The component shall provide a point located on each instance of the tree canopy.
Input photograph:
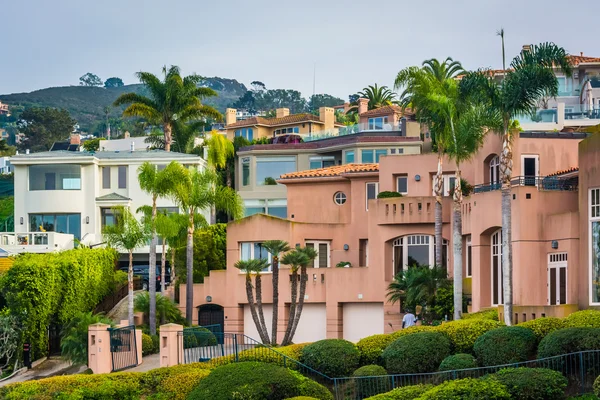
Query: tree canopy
(42, 127)
(113, 82)
(90, 79)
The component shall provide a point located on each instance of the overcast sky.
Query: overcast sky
(52, 43)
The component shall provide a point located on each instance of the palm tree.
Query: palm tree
(275, 248)
(255, 267)
(294, 259)
(420, 85)
(310, 254)
(175, 98)
(194, 192)
(157, 184)
(530, 78)
(378, 96)
(127, 234)
(168, 228)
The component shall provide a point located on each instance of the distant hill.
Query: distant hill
(86, 104)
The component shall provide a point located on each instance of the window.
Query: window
(321, 162)
(363, 252)
(497, 284)
(402, 184)
(372, 191)
(160, 167)
(557, 278)
(105, 177)
(595, 246)
(245, 171)
(61, 223)
(397, 151)
(55, 177)
(322, 260)
(469, 255)
(269, 169)
(415, 250)
(255, 251)
(349, 156)
(530, 169)
(370, 156)
(252, 207)
(449, 181)
(277, 207)
(339, 198)
(377, 123)
(286, 131)
(246, 133)
(495, 170)
(122, 177)
(109, 216)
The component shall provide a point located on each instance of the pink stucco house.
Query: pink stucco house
(556, 237)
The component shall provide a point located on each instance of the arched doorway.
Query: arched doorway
(211, 315)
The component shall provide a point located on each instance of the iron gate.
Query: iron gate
(123, 348)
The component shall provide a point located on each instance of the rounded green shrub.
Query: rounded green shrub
(254, 380)
(569, 340)
(411, 330)
(463, 333)
(416, 353)
(458, 361)
(506, 345)
(198, 337)
(387, 195)
(371, 348)
(543, 326)
(597, 386)
(403, 393)
(583, 319)
(491, 314)
(532, 383)
(332, 357)
(147, 345)
(371, 379)
(467, 389)
(302, 398)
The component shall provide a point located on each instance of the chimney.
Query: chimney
(363, 105)
(327, 117)
(526, 47)
(126, 134)
(282, 112)
(75, 138)
(230, 116)
(581, 53)
(132, 146)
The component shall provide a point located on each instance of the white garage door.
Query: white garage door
(362, 320)
(249, 326)
(312, 325)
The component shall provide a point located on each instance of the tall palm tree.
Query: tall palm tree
(250, 268)
(310, 254)
(531, 77)
(294, 259)
(168, 228)
(158, 184)
(194, 192)
(175, 98)
(127, 234)
(275, 248)
(420, 84)
(378, 96)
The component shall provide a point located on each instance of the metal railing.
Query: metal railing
(112, 299)
(548, 183)
(123, 348)
(351, 130)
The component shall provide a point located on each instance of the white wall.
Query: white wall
(362, 320)
(249, 326)
(312, 325)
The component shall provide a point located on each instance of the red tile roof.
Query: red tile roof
(576, 60)
(386, 110)
(289, 119)
(332, 171)
(565, 171)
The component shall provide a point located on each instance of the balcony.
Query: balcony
(411, 210)
(351, 130)
(35, 242)
(546, 183)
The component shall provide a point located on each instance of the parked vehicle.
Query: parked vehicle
(143, 272)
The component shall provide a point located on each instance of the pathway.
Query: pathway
(148, 363)
(46, 369)
(119, 311)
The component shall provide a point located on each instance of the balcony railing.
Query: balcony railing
(35, 242)
(549, 183)
(351, 130)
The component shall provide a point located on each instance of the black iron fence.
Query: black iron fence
(111, 300)
(123, 348)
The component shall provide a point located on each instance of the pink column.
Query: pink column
(138, 342)
(99, 358)
(171, 345)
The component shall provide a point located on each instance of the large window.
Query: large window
(595, 246)
(105, 177)
(448, 184)
(377, 123)
(245, 171)
(254, 251)
(322, 162)
(109, 216)
(246, 133)
(372, 156)
(274, 207)
(497, 284)
(349, 156)
(557, 278)
(322, 260)
(286, 131)
(416, 250)
(55, 177)
(269, 169)
(372, 191)
(61, 223)
(122, 176)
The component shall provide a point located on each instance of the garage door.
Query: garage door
(312, 325)
(362, 320)
(249, 326)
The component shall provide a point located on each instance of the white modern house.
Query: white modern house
(62, 197)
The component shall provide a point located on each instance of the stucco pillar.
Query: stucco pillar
(171, 346)
(138, 343)
(335, 323)
(99, 358)
(560, 115)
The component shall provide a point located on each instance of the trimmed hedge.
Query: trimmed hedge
(463, 333)
(371, 348)
(403, 393)
(367, 386)
(506, 345)
(332, 357)
(148, 345)
(583, 319)
(467, 389)
(532, 383)
(416, 353)
(543, 326)
(411, 330)
(597, 386)
(256, 380)
(388, 194)
(302, 398)
(569, 340)
(198, 337)
(491, 314)
(458, 361)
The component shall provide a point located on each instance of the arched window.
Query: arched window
(497, 285)
(495, 170)
(414, 250)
